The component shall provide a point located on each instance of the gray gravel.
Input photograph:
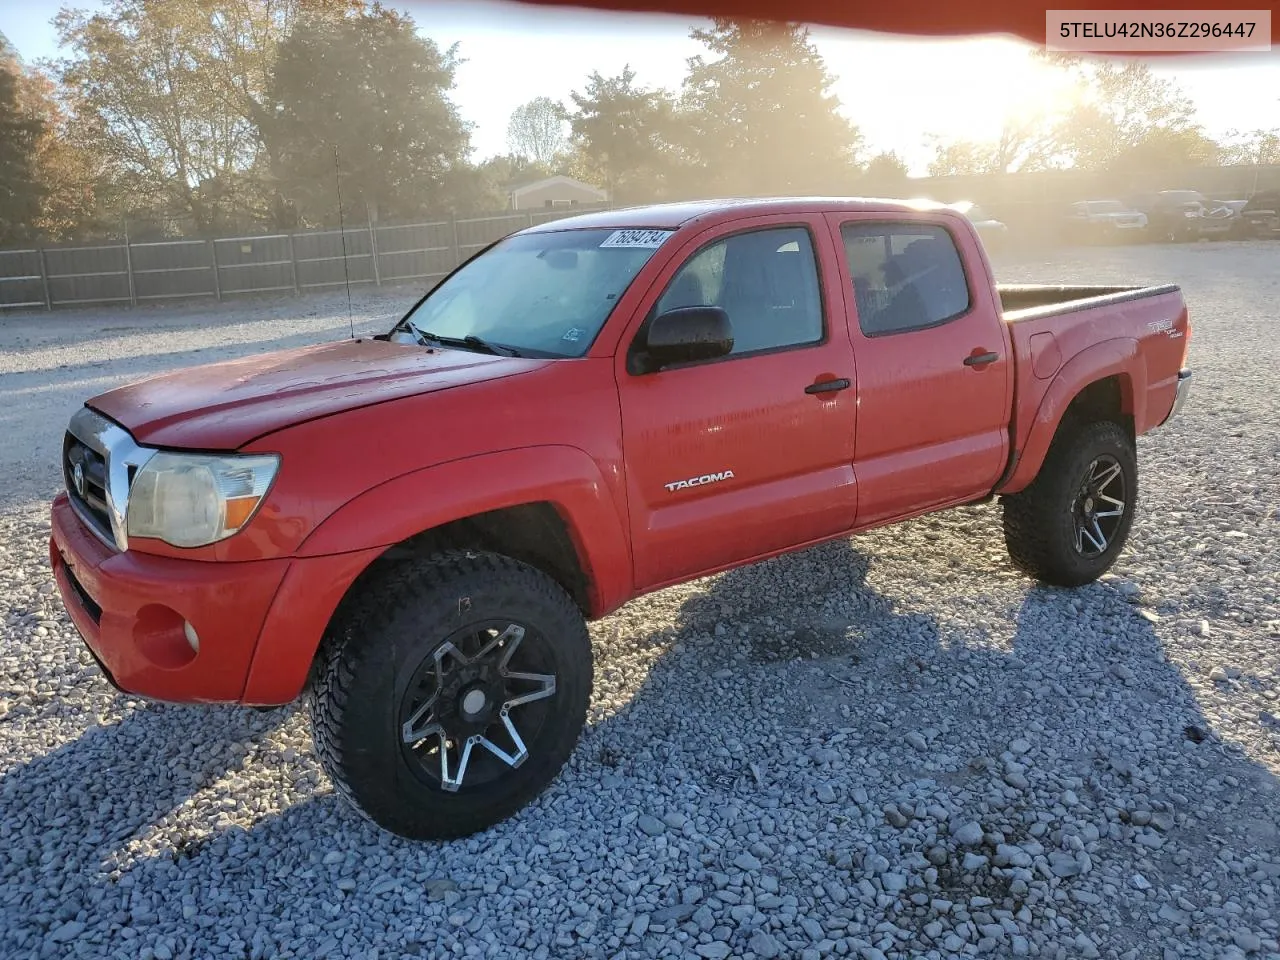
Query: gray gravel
(885, 748)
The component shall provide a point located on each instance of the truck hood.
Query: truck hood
(222, 406)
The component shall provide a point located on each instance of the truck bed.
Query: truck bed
(1029, 301)
(1134, 335)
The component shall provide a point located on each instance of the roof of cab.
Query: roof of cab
(671, 216)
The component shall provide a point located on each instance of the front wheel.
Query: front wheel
(450, 693)
(1069, 525)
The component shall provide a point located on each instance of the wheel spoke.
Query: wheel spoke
(1096, 537)
(1118, 504)
(510, 636)
(1102, 482)
(410, 733)
(1101, 514)
(513, 635)
(447, 650)
(453, 783)
(546, 682)
(510, 759)
(1080, 537)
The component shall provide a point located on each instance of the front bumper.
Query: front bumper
(130, 609)
(1180, 397)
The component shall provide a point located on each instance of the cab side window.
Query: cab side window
(765, 280)
(905, 276)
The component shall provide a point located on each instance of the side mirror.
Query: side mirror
(686, 335)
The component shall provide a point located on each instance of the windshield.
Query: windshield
(1107, 206)
(540, 294)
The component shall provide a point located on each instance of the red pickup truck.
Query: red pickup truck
(413, 528)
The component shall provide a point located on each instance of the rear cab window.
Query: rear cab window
(905, 276)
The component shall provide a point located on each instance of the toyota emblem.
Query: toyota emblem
(77, 478)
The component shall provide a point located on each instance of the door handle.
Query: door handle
(828, 386)
(981, 359)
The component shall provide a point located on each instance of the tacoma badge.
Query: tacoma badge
(699, 481)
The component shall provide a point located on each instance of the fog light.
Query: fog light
(193, 639)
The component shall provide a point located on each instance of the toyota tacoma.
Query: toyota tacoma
(411, 530)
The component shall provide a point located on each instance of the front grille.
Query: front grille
(85, 474)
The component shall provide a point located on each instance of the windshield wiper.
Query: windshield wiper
(470, 340)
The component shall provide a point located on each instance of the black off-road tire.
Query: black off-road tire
(1039, 524)
(381, 637)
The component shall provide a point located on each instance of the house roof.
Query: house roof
(556, 180)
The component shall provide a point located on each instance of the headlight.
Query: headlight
(190, 500)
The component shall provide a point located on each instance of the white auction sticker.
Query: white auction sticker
(648, 239)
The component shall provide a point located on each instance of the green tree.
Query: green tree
(536, 131)
(372, 88)
(763, 112)
(624, 137)
(21, 130)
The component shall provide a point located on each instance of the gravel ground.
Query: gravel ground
(888, 747)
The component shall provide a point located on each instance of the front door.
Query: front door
(753, 452)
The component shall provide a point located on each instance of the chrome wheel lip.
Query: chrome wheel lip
(438, 734)
(1099, 508)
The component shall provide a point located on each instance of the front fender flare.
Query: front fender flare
(1119, 358)
(566, 477)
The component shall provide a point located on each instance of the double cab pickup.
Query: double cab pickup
(412, 529)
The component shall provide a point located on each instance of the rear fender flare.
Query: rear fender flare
(1119, 358)
(566, 477)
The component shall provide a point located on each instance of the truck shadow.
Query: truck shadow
(812, 687)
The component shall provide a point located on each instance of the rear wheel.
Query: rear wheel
(1068, 527)
(451, 693)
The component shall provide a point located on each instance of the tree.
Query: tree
(764, 116)
(1255, 146)
(536, 130)
(170, 97)
(623, 136)
(375, 90)
(959, 158)
(1027, 142)
(20, 134)
(145, 105)
(1127, 115)
(885, 173)
(67, 175)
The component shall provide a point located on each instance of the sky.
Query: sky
(897, 90)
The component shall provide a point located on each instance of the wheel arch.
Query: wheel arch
(547, 507)
(1106, 382)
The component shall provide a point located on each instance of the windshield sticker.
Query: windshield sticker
(573, 334)
(648, 239)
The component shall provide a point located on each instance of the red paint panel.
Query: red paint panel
(790, 452)
(931, 430)
(225, 602)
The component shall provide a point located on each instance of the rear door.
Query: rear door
(934, 371)
(740, 456)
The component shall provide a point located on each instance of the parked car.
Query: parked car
(413, 528)
(1260, 216)
(1180, 215)
(993, 232)
(1104, 221)
(1228, 211)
